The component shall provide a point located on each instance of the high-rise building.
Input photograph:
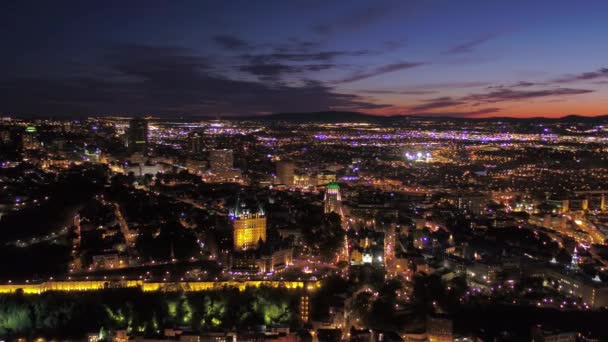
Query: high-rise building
(11, 143)
(221, 162)
(249, 225)
(196, 143)
(285, 173)
(333, 199)
(138, 135)
(474, 203)
(30, 138)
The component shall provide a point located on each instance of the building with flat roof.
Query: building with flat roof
(137, 135)
(285, 173)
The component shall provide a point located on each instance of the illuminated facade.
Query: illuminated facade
(592, 292)
(30, 138)
(251, 261)
(304, 308)
(193, 286)
(249, 226)
(439, 329)
(333, 199)
(221, 161)
(109, 261)
(474, 203)
(221, 164)
(285, 173)
(301, 181)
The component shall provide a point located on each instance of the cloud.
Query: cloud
(524, 84)
(448, 85)
(470, 45)
(166, 81)
(520, 84)
(230, 42)
(294, 56)
(294, 59)
(272, 71)
(379, 71)
(517, 95)
(143, 61)
(494, 96)
(440, 102)
(586, 76)
(318, 56)
(398, 92)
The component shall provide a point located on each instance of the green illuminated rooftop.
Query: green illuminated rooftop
(333, 186)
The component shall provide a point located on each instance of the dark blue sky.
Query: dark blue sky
(463, 58)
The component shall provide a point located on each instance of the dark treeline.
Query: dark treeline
(29, 266)
(66, 193)
(493, 321)
(73, 315)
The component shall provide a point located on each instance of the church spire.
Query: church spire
(575, 260)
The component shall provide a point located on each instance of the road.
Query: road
(130, 237)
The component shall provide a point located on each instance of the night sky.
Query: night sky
(461, 58)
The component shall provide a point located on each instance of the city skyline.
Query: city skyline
(317, 230)
(303, 171)
(514, 59)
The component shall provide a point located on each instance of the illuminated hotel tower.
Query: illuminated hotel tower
(249, 226)
(333, 199)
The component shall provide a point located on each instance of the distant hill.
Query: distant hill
(579, 118)
(336, 116)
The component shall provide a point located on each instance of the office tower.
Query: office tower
(249, 225)
(196, 143)
(333, 199)
(285, 172)
(221, 162)
(11, 143)
(474, 203)
(5, 136)
(30, 138)
(138, 135)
